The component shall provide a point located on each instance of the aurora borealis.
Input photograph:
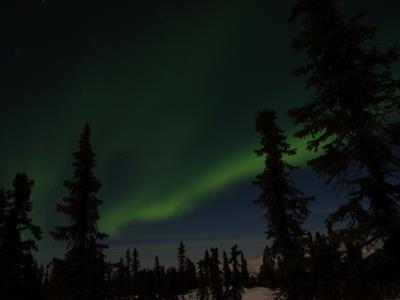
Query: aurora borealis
(170, 88)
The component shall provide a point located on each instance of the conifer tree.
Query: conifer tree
(158, 279)
(20, 280)
(227, 276)
(84, 260)
(203, 282)
(182, 268)
(266, 276)
(135, 262)
(128, 271)
(45, 284)
(4, 205)
(286, 206)
(325, 267)
(191, 275)
(172, 283)
(120, 281)
(354, 113)
(237, 289)
(354, 119)
(207, 263)
(244, 272)
(149, 291)
(135, 272)
(215, 275)
(181, 257)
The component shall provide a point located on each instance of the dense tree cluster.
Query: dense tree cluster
(224, 280)
(207, 281)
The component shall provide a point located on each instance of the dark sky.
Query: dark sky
(171, 89)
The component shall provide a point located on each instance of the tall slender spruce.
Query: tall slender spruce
(286, 206)
(84, 261)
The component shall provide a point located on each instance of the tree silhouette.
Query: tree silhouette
(84, 260)
(135, 262)
(191, 275)
(135, 272)
(158, 279)
(182, 268)
(128, 271)
(356, 102)
(215, 275)
(353, 119)
(186, 270)
(266, 275)
(4, 205)
(244, 272)
(204, 277)
(325, 267)
(286, 207)
(19, 275)
(120, 283)
(237, 289)
(227, 276)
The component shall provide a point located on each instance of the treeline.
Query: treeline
(83, 273)
(209, 279)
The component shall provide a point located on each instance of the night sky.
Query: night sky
(171, 90)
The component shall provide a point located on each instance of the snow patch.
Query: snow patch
(257, 293)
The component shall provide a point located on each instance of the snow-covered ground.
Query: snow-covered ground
(258, 293)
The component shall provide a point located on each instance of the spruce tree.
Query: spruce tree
(191, 276)
(84, 260)
(158, 279)
(4, 206)
(325, 267)
(172, 284)
(227, 276)
(237, 289)
(120, 281)
(135, 262)
(135, 272)
(215, 275)
(244, 272)
(286, 207)
(19, 276)
(203, 282)
(353, 115)
(353, 118)
(181, 257)
(128, 271)
(182, 268)
(266, 276)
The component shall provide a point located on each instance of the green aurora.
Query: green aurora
(171, 98)
(242, 166)
(157, 105)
